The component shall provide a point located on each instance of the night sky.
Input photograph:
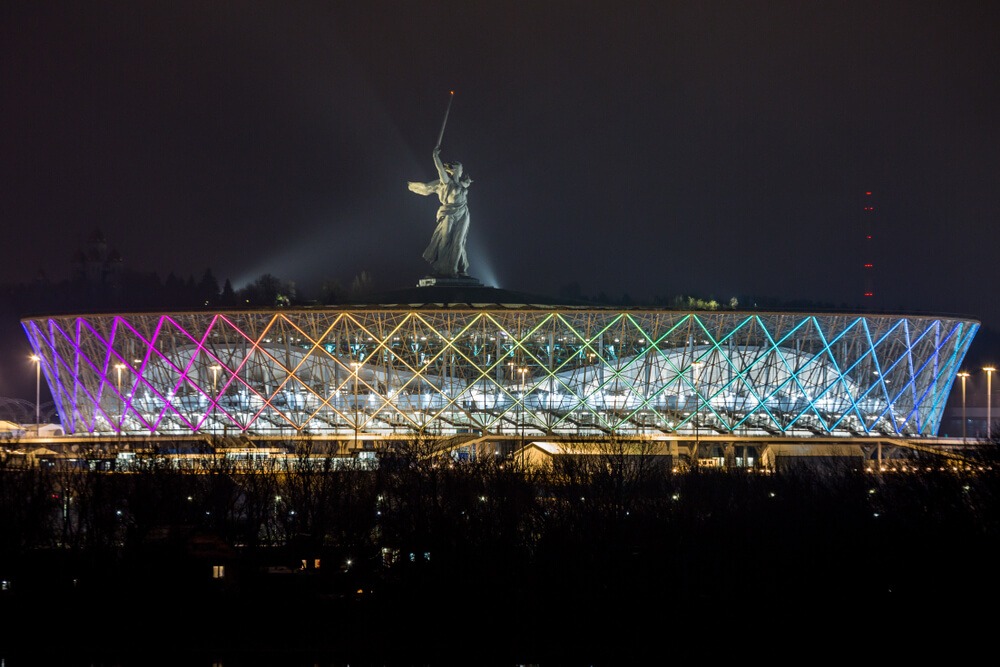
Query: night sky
(718, 149)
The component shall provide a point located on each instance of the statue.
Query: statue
(446, 251)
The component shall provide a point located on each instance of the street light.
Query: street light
(513, 375)
(119, 367)
(989, 396)
(38, 392)
(963, 375)
(121, 412)
(522, 371)
(215, 395)
(355, 365)
(697, 402)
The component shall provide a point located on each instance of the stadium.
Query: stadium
(486, 370)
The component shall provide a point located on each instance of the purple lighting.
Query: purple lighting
(400, 372)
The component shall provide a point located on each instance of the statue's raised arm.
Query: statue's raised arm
(442, 172)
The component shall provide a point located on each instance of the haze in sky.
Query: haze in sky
(643, 149)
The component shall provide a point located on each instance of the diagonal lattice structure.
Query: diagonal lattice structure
(518, 370)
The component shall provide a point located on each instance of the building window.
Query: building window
(218, 571)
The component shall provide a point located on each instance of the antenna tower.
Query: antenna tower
(868, 249)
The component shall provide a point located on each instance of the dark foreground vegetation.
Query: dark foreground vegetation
(426, 560)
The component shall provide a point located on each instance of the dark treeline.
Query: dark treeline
(124, 290)
(423, 556)
(573, 293)
(129, 291)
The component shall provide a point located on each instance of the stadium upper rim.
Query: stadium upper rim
(485, 298)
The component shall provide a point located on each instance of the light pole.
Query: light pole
(522, 371)
(355, 365)
(121, 411)
(38, 392)
(215, 395)
(989, 396)
(513, 376)
(697, 402)
(590, 363)
(963, 375)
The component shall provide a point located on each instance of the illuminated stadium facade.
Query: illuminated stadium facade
(499, 372)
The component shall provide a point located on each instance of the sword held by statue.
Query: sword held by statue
(451, 96)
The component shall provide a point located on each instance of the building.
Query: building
(486, 369)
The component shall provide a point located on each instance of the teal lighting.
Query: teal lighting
(586, 372)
